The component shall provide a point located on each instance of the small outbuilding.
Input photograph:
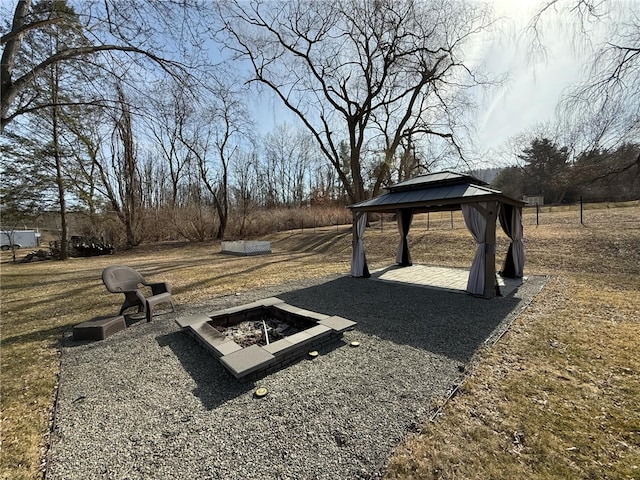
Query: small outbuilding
(481, 207)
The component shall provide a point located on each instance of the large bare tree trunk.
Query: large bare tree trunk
(121, 180)
(130, 184)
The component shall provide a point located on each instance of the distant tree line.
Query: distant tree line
(598, 175)
(114, 111)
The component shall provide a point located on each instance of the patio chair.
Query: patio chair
(121, 279)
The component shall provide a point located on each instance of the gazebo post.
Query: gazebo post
(491, 215)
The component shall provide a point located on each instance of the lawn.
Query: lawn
(557, 397)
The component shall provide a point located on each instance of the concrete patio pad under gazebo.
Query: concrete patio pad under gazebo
(443, 278)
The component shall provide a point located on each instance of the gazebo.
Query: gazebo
(447, 191)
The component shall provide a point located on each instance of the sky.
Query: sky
(535, 84)
(528, 97)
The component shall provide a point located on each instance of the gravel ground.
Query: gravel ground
(150, 403)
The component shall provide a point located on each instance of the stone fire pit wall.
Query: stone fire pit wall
(255, 361)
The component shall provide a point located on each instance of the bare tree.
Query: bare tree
(214, 138)
(287, 160)
(324, 186)
(167, 128)
(120, 174)
(246, 187)
(338, 65)
(604, 110)
(84, 146)
(113, 33)
(279, 151)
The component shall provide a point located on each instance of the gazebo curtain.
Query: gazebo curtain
(477, 224)
(403, 257)
(511, 222)
(359, 266)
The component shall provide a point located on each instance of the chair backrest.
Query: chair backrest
(118, 278)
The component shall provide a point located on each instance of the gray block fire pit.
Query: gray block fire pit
(263, 336)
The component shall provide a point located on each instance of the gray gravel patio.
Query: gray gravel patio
(149, 402)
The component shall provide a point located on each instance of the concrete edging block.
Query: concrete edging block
(338, 324)
(248, 360)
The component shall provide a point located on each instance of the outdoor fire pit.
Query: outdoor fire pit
(263, 336)
(262, 331)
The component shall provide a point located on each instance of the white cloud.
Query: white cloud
(535, 82)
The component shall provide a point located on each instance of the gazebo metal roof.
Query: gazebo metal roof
(433, 192)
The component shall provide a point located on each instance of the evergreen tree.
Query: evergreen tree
(51, 93)
(546, 170)
(511, 181)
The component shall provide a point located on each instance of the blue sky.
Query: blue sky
(531, 92)
(527, 99)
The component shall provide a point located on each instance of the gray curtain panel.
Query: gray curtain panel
(404, 217)
(511, 222)
(477, 224)
(359, 266)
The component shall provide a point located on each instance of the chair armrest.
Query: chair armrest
(125, 289)
(157, 288)
(140, 296)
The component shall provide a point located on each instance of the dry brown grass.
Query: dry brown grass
(41, 300)
(556, 398)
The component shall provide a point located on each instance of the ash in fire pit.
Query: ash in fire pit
(252, 332)
(237, 335)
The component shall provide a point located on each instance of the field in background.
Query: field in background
(556, 398)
